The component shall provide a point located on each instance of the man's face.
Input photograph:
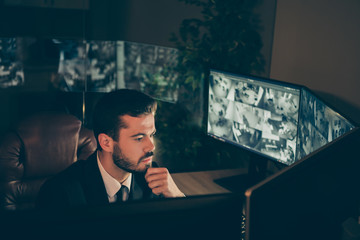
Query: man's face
(134, 149)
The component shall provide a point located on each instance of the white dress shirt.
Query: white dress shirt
(112, 186)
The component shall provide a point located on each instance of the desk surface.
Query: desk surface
(202, 182)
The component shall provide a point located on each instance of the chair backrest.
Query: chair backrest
(41, 146)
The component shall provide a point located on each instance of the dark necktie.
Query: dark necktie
(122, 194)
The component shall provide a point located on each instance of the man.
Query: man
(124, 127)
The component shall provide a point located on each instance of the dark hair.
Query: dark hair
(109, 109)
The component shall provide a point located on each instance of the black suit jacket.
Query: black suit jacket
(81, 184)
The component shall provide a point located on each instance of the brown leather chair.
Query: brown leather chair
(40, 146)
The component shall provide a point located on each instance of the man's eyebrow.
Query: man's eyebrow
(142, 134)
(138, 135)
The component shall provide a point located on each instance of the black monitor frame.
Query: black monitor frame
(195, 217)
(309, 199)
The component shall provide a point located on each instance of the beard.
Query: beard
(123, 162)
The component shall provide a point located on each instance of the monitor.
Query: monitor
(281, 121)
(319, 124)
(197, 217)
(11, 65)
(311, 198)
(102, 66)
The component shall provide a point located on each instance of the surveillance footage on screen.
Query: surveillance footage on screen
(277, 120)
(11, 67)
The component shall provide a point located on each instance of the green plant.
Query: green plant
(225, 38)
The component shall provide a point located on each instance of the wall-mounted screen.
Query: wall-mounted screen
(11, 67)
(102, 66)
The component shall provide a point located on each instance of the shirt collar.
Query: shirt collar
(112, 186)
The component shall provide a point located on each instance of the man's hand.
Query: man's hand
(161, 182)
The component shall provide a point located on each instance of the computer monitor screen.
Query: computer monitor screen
(281, 121)
(11, 66)
(259, 115)
(103, 66)
(318, 124)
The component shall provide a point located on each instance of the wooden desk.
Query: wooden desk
(202, 182)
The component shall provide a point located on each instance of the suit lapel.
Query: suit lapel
(94, 187)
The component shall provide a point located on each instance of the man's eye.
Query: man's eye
(138, 139)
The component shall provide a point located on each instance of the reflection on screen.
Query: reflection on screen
(263, 116)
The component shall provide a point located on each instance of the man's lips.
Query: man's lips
(146, 160)
(148, 157)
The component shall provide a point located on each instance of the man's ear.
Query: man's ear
(106, 142)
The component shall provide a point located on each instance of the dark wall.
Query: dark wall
(140, 21)
(316, 44)
(143, 21)
(18, 21)
(137, 20)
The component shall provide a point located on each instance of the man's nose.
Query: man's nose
(150, 146)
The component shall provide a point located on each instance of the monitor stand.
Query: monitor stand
(239, 183)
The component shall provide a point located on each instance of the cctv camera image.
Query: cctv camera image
(272, 118)
(319, 124)
(11, 68)
(257, 115)
(102, 66)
